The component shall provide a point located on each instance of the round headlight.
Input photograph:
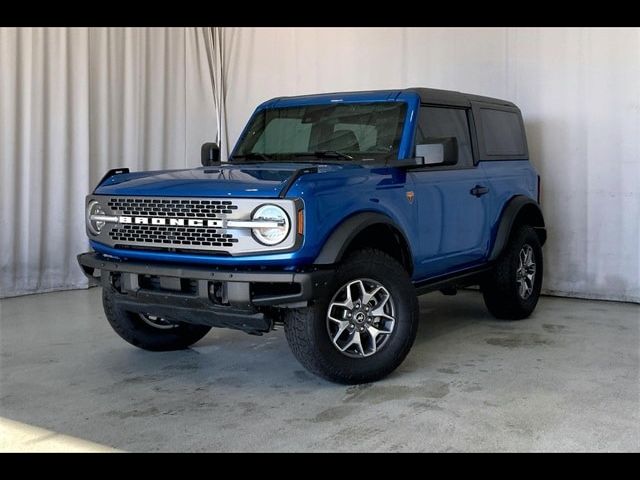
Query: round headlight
(271, 235)
(94, 208)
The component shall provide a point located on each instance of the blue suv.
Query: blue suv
(331, 215)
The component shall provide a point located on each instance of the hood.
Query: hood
(247, 180)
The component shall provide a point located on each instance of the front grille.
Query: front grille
(171, 208)
(203, 236)
(186, 224)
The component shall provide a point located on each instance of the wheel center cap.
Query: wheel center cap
(359, 317)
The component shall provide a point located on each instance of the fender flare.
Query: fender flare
(508, 218)
(339, 240)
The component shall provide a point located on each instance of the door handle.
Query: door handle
(479, 190)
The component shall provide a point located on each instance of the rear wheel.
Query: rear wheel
(364, 327)
(512, 289)
(149, 332)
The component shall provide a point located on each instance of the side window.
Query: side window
(502, 132)
(437, 122)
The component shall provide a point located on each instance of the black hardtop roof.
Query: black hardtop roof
(427, 95)
(433, 95)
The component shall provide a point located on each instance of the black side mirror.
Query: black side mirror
(209, 154)
(438, 151)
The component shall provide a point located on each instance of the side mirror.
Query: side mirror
(209, 154)
(438, 151)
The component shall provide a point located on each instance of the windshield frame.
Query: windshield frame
(404, 149)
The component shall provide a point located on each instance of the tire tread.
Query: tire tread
(500, 296)
(298, 324)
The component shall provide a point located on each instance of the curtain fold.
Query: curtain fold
(215, 47)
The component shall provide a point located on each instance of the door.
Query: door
(452, 199)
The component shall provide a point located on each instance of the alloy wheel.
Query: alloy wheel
(361, 318)
(526, 273)
(157, 322)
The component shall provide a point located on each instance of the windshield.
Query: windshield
(343, 132)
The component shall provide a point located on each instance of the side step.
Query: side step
(450, 284)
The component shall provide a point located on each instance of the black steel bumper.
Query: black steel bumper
(202, 295)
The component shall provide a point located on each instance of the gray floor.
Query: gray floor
(566, 379)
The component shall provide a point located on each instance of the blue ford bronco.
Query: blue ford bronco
(331, 215)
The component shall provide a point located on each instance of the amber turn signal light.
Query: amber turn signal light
(300, 221)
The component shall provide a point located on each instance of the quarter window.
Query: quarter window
(502, 133)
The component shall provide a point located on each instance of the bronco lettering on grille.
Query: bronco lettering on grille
(176, 222)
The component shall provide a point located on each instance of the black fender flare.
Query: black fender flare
(508, 218)
(339, 240)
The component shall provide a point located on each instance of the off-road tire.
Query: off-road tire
(134, 330)
(500, 288)
(306, 329)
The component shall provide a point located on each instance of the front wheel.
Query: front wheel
(365, 326)
(512, 289)
(146, 331)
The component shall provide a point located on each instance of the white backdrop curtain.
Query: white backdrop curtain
(75, 102)
(217, 64)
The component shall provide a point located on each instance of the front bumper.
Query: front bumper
(237, 299)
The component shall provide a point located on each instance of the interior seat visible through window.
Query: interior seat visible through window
(341, 141)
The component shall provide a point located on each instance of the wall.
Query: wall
(579, 90)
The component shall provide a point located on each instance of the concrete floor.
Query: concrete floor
(568, 378)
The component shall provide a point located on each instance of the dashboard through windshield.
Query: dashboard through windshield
(339, 132)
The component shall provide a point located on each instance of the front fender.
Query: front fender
(340, 239)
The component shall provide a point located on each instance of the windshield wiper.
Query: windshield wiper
(325, 154)
(253, 156)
